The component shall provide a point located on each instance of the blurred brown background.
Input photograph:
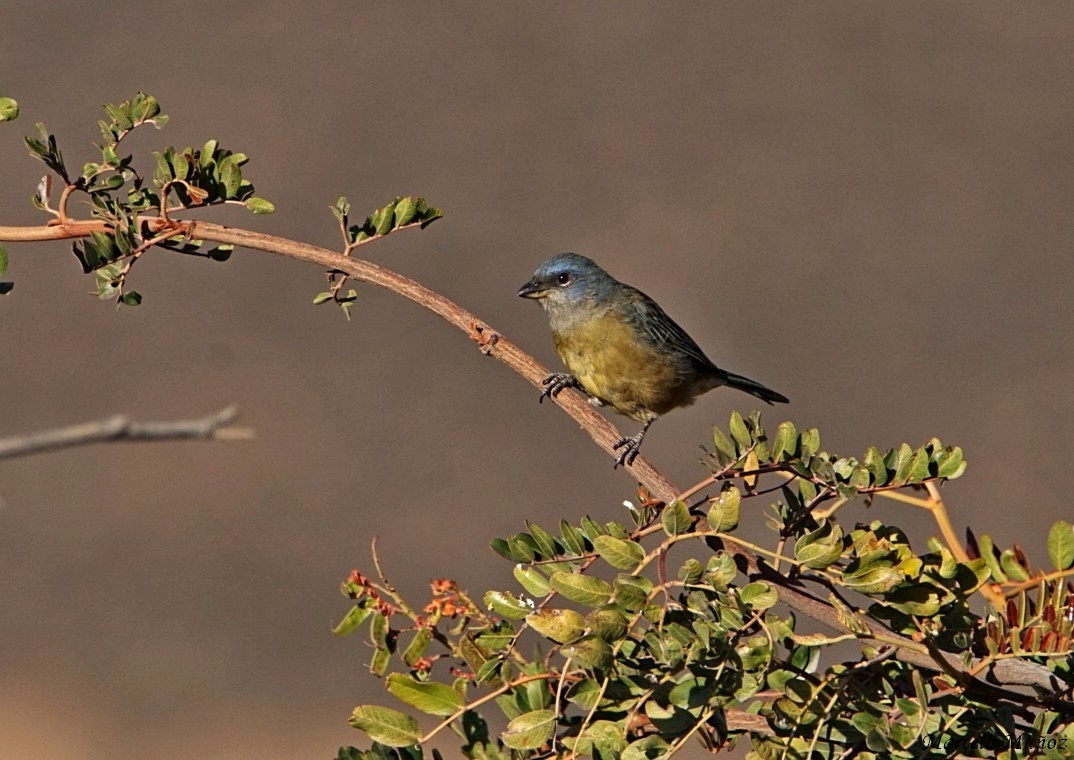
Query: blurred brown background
(866, 206)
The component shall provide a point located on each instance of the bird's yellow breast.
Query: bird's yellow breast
(612, 364)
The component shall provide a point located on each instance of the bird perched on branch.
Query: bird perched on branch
(622, 349)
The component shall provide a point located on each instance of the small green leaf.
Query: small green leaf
(873, 580)
(786, 442)
(46, 149)
(530, 730)
(431, 698)
(591, 652)
(991, 557)
(591, 528)
(496, 638)
(740, 432)
(9, 109)
(405, 210)
(608, 623)
(230, 175)
(3, 260)
(1008, 560)
(107, 185)
(180, 164)
(389, 727)
(691, 571)
(581, 588)
(585, 694)
(604, 736)
(341, 208)
(631, 593)
(1061, 545)
(131, 298)
(473, 654)
(724, 513)
(380, 661)
(418, 646)
(379, 630)
(546, 543)
(573, 538)
(918, 599)
(820, 548)
(106, 247)
(509, 606)
(723, 445)
(358, 615)
(619, 553)
(429, 214)
(561, 626)
(675, 518)
(507, 550)
(758, 595)
(532, 581)
(901, 460)
(208, 154)
(321, 297)
(919, 466)
(952, 464)
(107, 289)
(524, 547)
(259, 205)
(382, 219)
(489, 672)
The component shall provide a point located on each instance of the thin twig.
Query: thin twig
(387, 586)
(120, 428)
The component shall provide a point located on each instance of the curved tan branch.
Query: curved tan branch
(489, 341)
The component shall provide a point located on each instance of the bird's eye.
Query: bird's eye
(563, 278)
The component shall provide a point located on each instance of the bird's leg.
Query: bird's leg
(630, 446)
(556, 382)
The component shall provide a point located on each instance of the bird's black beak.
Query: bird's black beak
(530, 290)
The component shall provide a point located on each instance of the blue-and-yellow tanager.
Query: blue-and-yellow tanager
(621, 348)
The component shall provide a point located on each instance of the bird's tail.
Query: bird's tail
(755, 389)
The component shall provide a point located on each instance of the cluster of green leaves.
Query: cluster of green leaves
(635, 657)
(1011, 565)
(405, 212)
(122, 197)
(908, 587)
(800, 453)
(138, 211)
(207, 176)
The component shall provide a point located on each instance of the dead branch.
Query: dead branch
(120, 428)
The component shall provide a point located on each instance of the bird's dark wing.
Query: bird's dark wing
(656, 326)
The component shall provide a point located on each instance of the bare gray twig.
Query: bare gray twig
(120, 428)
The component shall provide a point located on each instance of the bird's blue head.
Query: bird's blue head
(569, 281)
